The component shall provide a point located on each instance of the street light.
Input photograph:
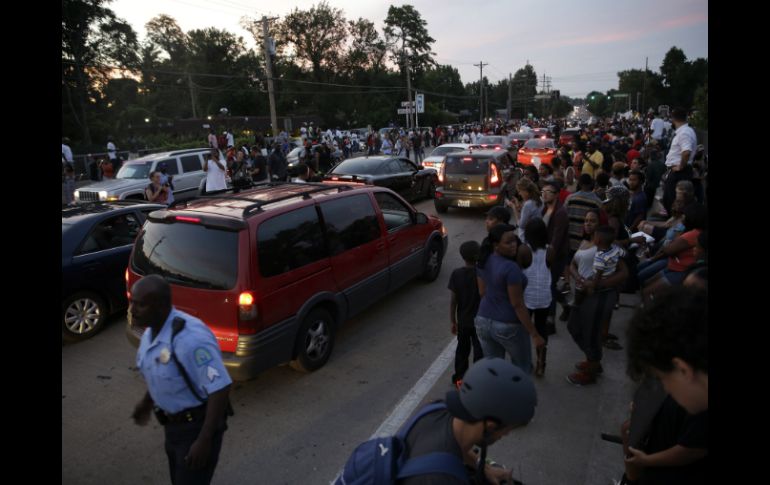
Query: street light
(147, 120)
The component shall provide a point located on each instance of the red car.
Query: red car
(537, 151)
(274, 270)
(568, 136)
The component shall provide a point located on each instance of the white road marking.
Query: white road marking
(415, 395)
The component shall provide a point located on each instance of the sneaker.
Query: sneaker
(585, 366)
(581, 378)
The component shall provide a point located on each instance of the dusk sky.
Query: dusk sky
(580, 45)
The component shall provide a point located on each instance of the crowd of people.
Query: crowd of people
(580, 233)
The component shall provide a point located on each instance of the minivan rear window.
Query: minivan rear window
(188, 255)
(466, 165)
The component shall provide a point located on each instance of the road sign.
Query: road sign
(407, 104)
(405, 111)
(420, 100)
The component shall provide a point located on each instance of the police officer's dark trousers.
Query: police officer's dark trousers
(179, 439)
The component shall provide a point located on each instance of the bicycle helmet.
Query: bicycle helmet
(494, 389)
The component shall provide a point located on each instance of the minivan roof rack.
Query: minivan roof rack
(256, 206)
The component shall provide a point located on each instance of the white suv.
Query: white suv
(186, 166)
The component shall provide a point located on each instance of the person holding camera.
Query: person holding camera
(167, 180)
(156, 191)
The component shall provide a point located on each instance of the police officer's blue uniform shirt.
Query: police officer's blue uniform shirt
(196, 348)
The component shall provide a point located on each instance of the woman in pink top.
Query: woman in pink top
(680, 252)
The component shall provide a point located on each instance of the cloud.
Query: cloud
(629, 35)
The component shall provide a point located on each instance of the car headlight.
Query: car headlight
(77, 196)
(102, 195)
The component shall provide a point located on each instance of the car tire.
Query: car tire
(430, 192)
(440, 208)
(83, 315)
(315, 341)
(433, 260)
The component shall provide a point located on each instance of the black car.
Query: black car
(96, 241)
(398, 174)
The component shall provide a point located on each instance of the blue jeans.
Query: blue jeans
(497, 338)
(649, 268)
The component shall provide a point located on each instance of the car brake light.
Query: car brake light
(494, 179)
(441, 173)
(491, 197)
(194, 220)
(439, 195)
(335, 178)
(247, 309)
(467, 159)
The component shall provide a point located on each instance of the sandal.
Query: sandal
(612, 345)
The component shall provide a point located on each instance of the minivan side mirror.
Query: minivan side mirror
(421, 218)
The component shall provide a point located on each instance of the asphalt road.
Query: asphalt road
(293, 428)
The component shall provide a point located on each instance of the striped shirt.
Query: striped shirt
(577, 205)
(606, 261)
(537, 294)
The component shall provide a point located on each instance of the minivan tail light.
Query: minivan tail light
(247, 308)
(194, 220)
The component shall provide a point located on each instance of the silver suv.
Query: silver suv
(133, 177)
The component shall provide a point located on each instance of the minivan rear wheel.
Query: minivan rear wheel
(440, 208)
(314, 341)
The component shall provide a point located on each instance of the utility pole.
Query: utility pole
(548, 91)
(543, 90)
(192, 95)
(644, 80)
(408, 81)
(269, 69)
(481, 91)
(510, 95)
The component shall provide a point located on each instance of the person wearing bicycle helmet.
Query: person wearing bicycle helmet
(495, 398)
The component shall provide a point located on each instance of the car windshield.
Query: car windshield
(539, 143)
(188, 255)
(440, 151)
(491, 140)
(466, 165)
(521, 136)
(134, 171)
(356, 166)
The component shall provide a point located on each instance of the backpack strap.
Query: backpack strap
(178, 326)
(434, 463)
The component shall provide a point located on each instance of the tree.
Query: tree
(524, 90)
(316, 37)
(94, 41)
(367, 49)
(672, 62)
(405, 30)
(633, 81)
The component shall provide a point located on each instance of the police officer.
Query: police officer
(188, 386)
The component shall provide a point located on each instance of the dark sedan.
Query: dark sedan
(96, 241)
(400, 175)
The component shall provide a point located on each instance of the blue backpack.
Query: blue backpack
(382, 460)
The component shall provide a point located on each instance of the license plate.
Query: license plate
(463, 203)
(535, 159)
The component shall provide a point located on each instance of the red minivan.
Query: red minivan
(274, 270)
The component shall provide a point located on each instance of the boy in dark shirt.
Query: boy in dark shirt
(463, 308)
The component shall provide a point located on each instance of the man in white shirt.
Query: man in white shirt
(680, 156)
(230, 138)
(66, 152)
(303, 132)
(215, 172)
(657, 126)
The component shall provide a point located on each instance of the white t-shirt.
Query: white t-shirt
(684, 140)
(66, 153)
(466, 138)
(657, 127)
(111, 151)
(215, 176)
(230, 139)
(164, 180)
